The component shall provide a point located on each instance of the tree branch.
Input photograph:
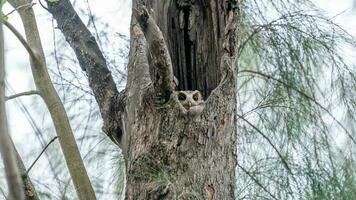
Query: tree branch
(111, 102)
(158, 51)
(7, 151)
(284, 162)
(59, 116)
(39, 156)
(20, 38)
(20, 7)
(33, 92)
(256, 181)
(29, 188)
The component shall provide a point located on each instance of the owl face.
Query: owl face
(189, 99)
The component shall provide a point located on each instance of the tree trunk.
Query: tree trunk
(7, 151)
(169, 154)
(55, 107)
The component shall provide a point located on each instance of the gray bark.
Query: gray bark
(48, 93)
(28, 187)
(7, 150)
(169, 154)
(92, 61)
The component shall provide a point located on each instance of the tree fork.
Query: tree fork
(169, 155)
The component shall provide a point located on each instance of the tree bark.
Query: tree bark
(48, 93)
(28, 187)
(92, 61)
(170, 154)
(7, 150)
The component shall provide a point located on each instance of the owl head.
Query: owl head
(189, 99)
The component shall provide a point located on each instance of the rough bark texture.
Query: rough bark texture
(170, 154)
(92, 61)
(29, 188)
(197, 32)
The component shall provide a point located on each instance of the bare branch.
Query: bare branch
(87, 50)
(29, 188)
(33, 92)
(20, 38)
(285, 164)
(158, 51)
(39, 136)
(39, 156)
(20, 7)
(7, 151)
(256, 181)
(59, 116)
(92, 61)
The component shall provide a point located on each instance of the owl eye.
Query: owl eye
(182, 97)
(196, 97)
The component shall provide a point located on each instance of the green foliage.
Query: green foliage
(3, 16)
(297, 90)
(149, 169)
(340, 186)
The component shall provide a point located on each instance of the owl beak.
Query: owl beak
(190, 104)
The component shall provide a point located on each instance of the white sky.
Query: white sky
(114, 12)
(343, 10)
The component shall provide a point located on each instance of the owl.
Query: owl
(192, 102)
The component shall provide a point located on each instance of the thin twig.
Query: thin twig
(263, 26)
(304, 95)
(43, 6)
(36, 129)
(3, 193)
(270, 142)
(20, 7)
(38, 157)
(256, 181)
(28, 93)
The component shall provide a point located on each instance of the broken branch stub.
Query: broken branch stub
(158, 51)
